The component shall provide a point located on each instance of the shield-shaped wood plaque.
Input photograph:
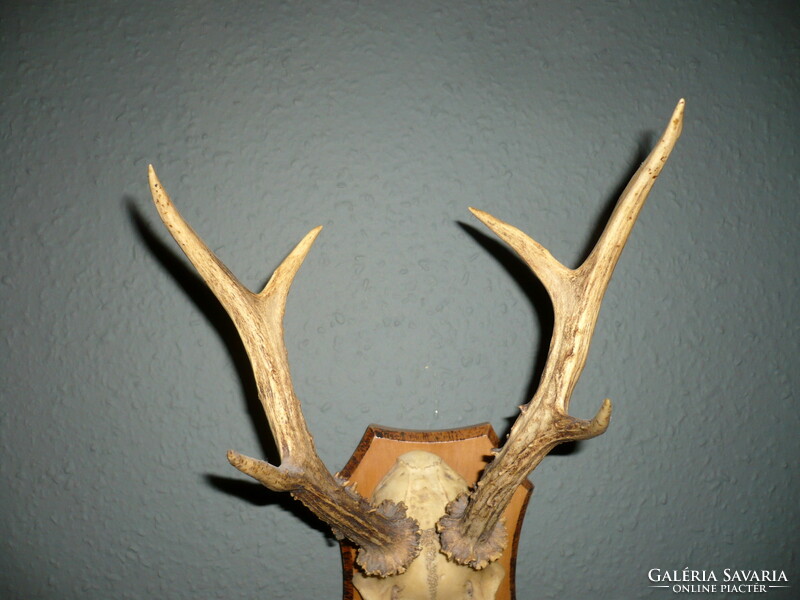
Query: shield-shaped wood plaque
(467, 450)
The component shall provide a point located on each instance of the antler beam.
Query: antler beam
(387, 538)
(472, 532)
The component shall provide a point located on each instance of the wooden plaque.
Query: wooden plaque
(467, 450)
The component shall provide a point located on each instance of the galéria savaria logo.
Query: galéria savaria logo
(725, 581)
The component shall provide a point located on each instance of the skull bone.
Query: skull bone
(426, 484)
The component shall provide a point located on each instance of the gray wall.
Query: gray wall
(123, 384)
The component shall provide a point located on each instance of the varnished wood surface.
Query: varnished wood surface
(467, 450)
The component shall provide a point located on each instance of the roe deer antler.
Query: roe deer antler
(472, 532)
(387, 538)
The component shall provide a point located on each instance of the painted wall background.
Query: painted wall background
(123, 384)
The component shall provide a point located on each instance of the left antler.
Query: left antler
(472, 531)
(387, 538)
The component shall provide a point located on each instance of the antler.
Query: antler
(387, 538)
(472, 531)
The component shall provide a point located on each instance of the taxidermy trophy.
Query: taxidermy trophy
(426, 515)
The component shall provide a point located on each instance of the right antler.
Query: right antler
(472, 532)
(387, 538)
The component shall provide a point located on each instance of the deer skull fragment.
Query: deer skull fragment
(425, 484)
(424, 534)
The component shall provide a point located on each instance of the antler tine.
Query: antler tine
(258, 318)
(472, 532)
(388, 540)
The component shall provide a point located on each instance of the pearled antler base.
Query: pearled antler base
(466, 451)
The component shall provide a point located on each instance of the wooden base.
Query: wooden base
(466, 450)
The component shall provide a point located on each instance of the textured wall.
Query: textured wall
(123, 383)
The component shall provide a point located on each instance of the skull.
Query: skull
(425, 484)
